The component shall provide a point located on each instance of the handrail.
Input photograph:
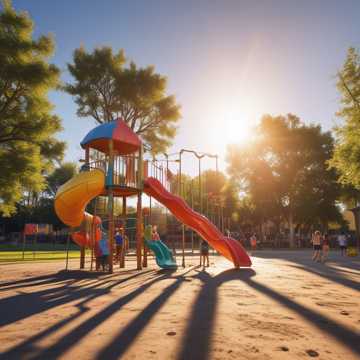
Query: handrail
(126, 169)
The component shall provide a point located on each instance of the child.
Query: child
(104, 248)
(253, 243)
(316, 240)
(204, 253)
(119, 239)
(98, 254)
(342, 243)
(155, 235)
(325, 247)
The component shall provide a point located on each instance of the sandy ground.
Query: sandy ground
(285, 307)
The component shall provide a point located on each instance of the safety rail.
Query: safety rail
(157, 171)
(97, 164)
(126, 169)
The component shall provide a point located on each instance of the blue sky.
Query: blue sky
(227, 62)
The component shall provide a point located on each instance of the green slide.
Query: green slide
(163, 254)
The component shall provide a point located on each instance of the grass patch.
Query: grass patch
(17, 256)
(37, 252)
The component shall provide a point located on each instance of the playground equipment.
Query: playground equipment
(120, 171)
(163, 255)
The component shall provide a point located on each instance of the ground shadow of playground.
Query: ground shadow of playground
(62, 288)
(56, 289)
(196, 340)
(338, 269)
(204, 310)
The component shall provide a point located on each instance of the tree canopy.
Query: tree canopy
(285, 172)
(60, 176)
(346, 157)
(28, 147)
(106, 88)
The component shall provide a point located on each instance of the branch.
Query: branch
(11, 98)
(356, 101)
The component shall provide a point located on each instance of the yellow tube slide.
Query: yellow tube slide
(72, 197)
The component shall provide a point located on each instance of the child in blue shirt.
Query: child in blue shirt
(119, 244)
(104, 249)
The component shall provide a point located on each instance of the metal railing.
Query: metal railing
(126, 169)
(157, 171)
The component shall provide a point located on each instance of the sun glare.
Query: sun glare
(235, 118)
(238, 129)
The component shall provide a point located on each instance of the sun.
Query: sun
(231, 120)
(239, 127)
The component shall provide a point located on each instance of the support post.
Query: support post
(182, 226)
(82, 248)
(192, 206)
(183, 245)
(87, 156)
(93, 233)
(139, 220)
(200, 193)
(123, 247)
(139, 242)
(111, 209)
(123, 212)
(23, 244)
(67, 251)
(145, 249)
(82, 257)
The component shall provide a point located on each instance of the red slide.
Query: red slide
(226, 246)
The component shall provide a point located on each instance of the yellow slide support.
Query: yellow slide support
(72, 197)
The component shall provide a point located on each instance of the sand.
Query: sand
(284, 307)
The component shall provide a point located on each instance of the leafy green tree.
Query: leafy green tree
(60, 176)
(286, 173)
(346, 158)
(257, 183)
(28, 147)
(105, 89)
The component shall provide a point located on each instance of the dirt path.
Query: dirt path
(285, 307)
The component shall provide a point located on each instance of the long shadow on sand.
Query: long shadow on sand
(342, 334)
(303, 262)
(23, 305)
(76, 334)
(197, 340)
(122, 341)
(196, 343)
(125, 337)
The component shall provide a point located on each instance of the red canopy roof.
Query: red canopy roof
(125, 141)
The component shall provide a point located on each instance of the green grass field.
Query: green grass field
(39, 252)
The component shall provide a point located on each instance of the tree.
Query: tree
(346, 158)
(106, 89)
(286, 173)
(257, 183)
(28, 147)
(60, 176)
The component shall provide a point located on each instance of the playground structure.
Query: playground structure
(114, 167)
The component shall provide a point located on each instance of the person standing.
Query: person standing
(342, 240)
(316, 240)
(325, 247)
(119, 241)
(104, 248)
(253, 242)
(204, 253)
